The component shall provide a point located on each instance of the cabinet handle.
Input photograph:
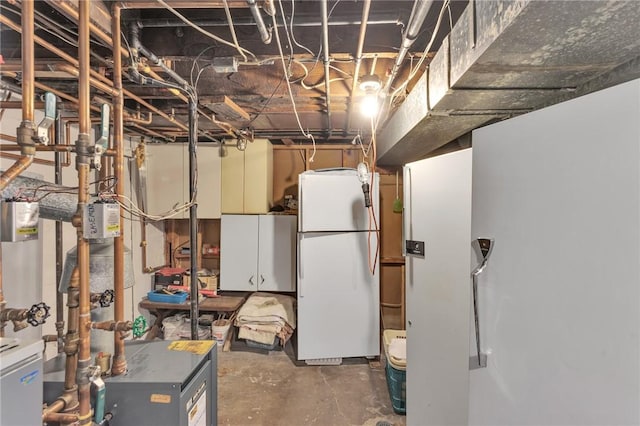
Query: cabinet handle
(261, 279)
(251, 280)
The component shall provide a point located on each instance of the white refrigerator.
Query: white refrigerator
(338, 292)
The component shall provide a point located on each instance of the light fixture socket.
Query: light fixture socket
(370, 83)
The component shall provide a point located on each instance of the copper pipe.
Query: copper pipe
(2, 301)
(47, 148)
(82, 165)
(63, 401)
(61, 418)
(71, 345)
(50, 47)
(59, 164)
(8, 138)
(46, 88)
(66, 9)
(35, 160)
(28, 60)
(113, 326)
(26, 129)
(16, 168)
(119, 363)
(18, 104)
(130, 118)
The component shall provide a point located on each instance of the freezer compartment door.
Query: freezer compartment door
(338, 297)
(333, 201)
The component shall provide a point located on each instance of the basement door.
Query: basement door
(437, 197)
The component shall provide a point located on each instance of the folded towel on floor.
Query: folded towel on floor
(266, 307)
(265, 316)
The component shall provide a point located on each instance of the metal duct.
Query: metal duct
(62, 206)
(504, 58)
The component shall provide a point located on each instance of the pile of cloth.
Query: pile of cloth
(267, 319)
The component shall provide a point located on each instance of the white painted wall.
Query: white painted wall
(23, 269)
(559, 190)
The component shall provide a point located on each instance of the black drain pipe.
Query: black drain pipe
(193, 214)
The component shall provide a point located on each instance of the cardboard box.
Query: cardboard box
(207, 282)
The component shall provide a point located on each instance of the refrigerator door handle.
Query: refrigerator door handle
(261, 279)
(251, 280)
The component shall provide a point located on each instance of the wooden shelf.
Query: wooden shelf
(211, 256)
(392, 260)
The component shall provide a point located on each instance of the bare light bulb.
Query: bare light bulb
(363, 177)
(363, 173)
(369, 105)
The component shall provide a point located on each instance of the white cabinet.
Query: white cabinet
(257, 252)
(247, 178)
(167, 180)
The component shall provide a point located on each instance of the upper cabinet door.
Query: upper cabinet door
(168, 179)
(258, 176)
(165, 182)
(239, 252)
(208, 182)
(276, 253)
(233, 181)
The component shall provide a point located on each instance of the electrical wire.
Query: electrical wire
(372, 212)
(233, 30)
(200, 29)
(306, 134)
(293, 37)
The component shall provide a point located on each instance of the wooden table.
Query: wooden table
(163, 310)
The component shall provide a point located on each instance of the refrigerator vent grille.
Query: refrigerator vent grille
(324, 361)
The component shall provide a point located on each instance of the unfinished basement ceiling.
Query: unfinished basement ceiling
(490, 60)
(247, 93)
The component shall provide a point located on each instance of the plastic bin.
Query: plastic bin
(396, 373)
(397, 384)
(161, 296)
(387, 337)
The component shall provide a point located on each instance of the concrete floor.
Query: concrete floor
(269, 389)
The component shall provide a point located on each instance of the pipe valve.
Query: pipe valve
(42, 132)
(38, 314)
(106, 298)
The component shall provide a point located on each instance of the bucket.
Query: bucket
(220, 330)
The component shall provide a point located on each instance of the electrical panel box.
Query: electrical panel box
(19, 220)
(167, 383)
(101, 220)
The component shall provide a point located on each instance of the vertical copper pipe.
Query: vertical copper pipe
(82, 165)
(71, 343)
(2, 301)
(26, 129)
(59, 255)
(28, 60)
(119, 364)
